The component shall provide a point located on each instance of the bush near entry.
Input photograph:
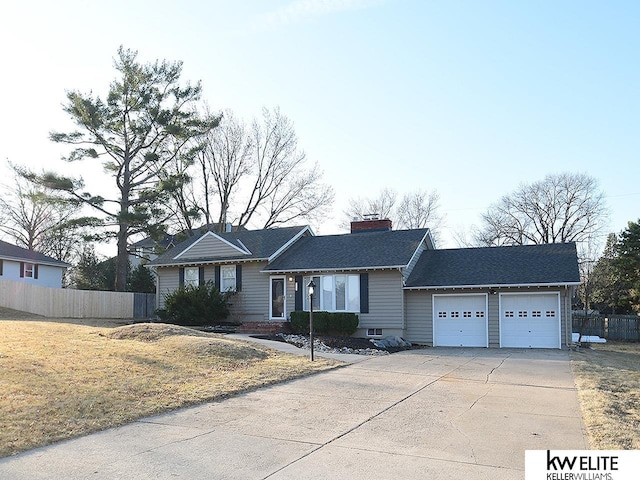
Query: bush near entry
(191, 305)
(330, 323)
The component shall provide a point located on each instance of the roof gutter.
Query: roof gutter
(206, 262)
(334, 269)
(55, 263)
(493, 285)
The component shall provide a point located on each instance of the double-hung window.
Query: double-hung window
(28, 270)
(334, 293)
(191, 276)
(228, 278)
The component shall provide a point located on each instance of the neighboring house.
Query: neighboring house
(395, 281)
(22, 265)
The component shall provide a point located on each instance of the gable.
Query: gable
(240, 245)
(211, 245)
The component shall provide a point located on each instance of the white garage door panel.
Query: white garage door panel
(460, 321)
(530, 321)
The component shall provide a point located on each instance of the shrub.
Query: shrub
(338, 323)
(202, 305)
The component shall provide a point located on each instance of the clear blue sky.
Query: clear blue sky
(469, 98)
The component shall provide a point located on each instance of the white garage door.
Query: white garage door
(460, 320)
(530, 321)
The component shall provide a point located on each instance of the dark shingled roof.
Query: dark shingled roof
(261, 243)
(350, 251)
(555, 263)
(13, 252)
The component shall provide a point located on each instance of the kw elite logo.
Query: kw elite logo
(588, 467)
(581, 464)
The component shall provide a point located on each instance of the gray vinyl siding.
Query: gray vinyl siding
(565, 302)
(386, 306)
(209, 246)
(419, 308)
(252, 303)
(168, 280)
(493, 318)
(419, 312)
(290, 294)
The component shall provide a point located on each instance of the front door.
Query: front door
(278, 307)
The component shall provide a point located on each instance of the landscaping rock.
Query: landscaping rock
(327, 344)
(391, 342)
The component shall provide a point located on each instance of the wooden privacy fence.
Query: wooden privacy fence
(611, 327)
(66, 302)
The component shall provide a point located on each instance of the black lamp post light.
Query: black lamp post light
(311, 287)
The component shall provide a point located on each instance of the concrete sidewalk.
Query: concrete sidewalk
(433, 413)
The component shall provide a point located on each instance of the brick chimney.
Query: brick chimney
(375, 225)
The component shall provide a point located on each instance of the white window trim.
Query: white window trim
(231, 268)
(190, 281)
(29, 269)
(320, 297)
(374, 334)
(284, 296)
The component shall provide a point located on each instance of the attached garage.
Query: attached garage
(531, 320)
(460, 320)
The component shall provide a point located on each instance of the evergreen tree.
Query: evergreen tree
(88, 274)
(627, 264)
(147, 121)
(142, 280)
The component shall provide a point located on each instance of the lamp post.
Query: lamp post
(311, 288)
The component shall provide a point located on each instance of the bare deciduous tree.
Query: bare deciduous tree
(259, 175)
(417, 209)
(381, 206)
(227, 156)
(36, 218)
(560, 208)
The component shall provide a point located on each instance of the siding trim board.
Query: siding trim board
(200, 261)
(346, 269)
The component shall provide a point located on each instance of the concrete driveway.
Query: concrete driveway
(434, 413)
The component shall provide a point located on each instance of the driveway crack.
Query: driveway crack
(496, 367)
(384, 410)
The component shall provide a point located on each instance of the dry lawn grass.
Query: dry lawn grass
(608, 381)
(62, 380)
